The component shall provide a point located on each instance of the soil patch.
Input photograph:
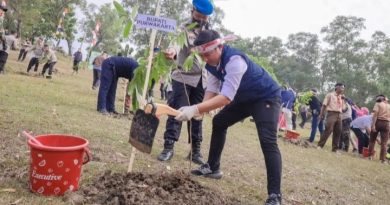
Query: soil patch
(300, 142)
(140, 188)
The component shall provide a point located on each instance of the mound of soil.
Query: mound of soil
(140, 188)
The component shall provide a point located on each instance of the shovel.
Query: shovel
(145, 123)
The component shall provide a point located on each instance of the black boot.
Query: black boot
(167, 153)
(274, 199)
(197, 157)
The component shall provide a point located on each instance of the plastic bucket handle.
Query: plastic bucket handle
(88, 155)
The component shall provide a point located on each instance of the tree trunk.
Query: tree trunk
(70, 42)
(18, 29)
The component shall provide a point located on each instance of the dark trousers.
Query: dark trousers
(178, 100)
(316, 123)
(333, 124)
(294, 120)
(363, 139)
(22, 54)
(150, 90)
(3, 60)
(163, 91)
(96, 78)
(265, 114)
(107, 89)
(304, 118)
(76, 66)
(345, 134)
(33, 62)
(48, 66)
(381, 126)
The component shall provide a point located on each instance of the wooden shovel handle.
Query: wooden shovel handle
(162, 109)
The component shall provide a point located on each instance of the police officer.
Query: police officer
(113, 68)
(187, 87)
(244, 89)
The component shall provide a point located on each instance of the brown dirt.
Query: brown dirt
(300, 142)
(13, 151)
(140, 188)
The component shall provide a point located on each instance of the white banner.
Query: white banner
(155, 22)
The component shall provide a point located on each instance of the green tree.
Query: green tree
(345, 59)
(109, 36)
(38, 17)
(300, 69)
(23, 15)
(379, 61)
(271, 48)
(70, 29)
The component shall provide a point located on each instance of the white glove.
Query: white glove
(187, 113)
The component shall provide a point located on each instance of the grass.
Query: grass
(67, 104)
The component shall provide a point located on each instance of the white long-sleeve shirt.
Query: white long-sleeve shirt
(235, 69)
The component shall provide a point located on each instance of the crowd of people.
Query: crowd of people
(235, 85)
(338, 115)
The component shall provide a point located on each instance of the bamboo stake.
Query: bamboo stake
(144, 91)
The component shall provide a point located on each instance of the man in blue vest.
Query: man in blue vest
(245, 89)
(113, 68)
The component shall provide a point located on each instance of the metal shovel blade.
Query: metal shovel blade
(143, 130)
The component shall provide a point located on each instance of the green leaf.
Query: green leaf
(119, 8)
(134, 100)
(191, 26)
(181, 40)
(197, 56)
(189, 62)
(127, 29)
(134, 11)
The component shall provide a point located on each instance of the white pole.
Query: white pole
(144, 91)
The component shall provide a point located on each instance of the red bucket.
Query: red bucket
(291, 134)
(366, 153)
(55, 166)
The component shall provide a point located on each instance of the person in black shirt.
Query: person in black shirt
(315, 107)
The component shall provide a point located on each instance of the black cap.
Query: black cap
(339, 85)
(3, 8)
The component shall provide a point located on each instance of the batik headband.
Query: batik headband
(209, 46)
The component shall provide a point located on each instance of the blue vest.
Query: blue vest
(124, 66)
(288, 99)
(256, 83)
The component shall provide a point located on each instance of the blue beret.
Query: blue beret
(204, 7)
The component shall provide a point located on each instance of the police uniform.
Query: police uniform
(191, 83)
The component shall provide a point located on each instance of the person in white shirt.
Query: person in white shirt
(9, 42)
(36, 54)
(51, 58)
(361, 126)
